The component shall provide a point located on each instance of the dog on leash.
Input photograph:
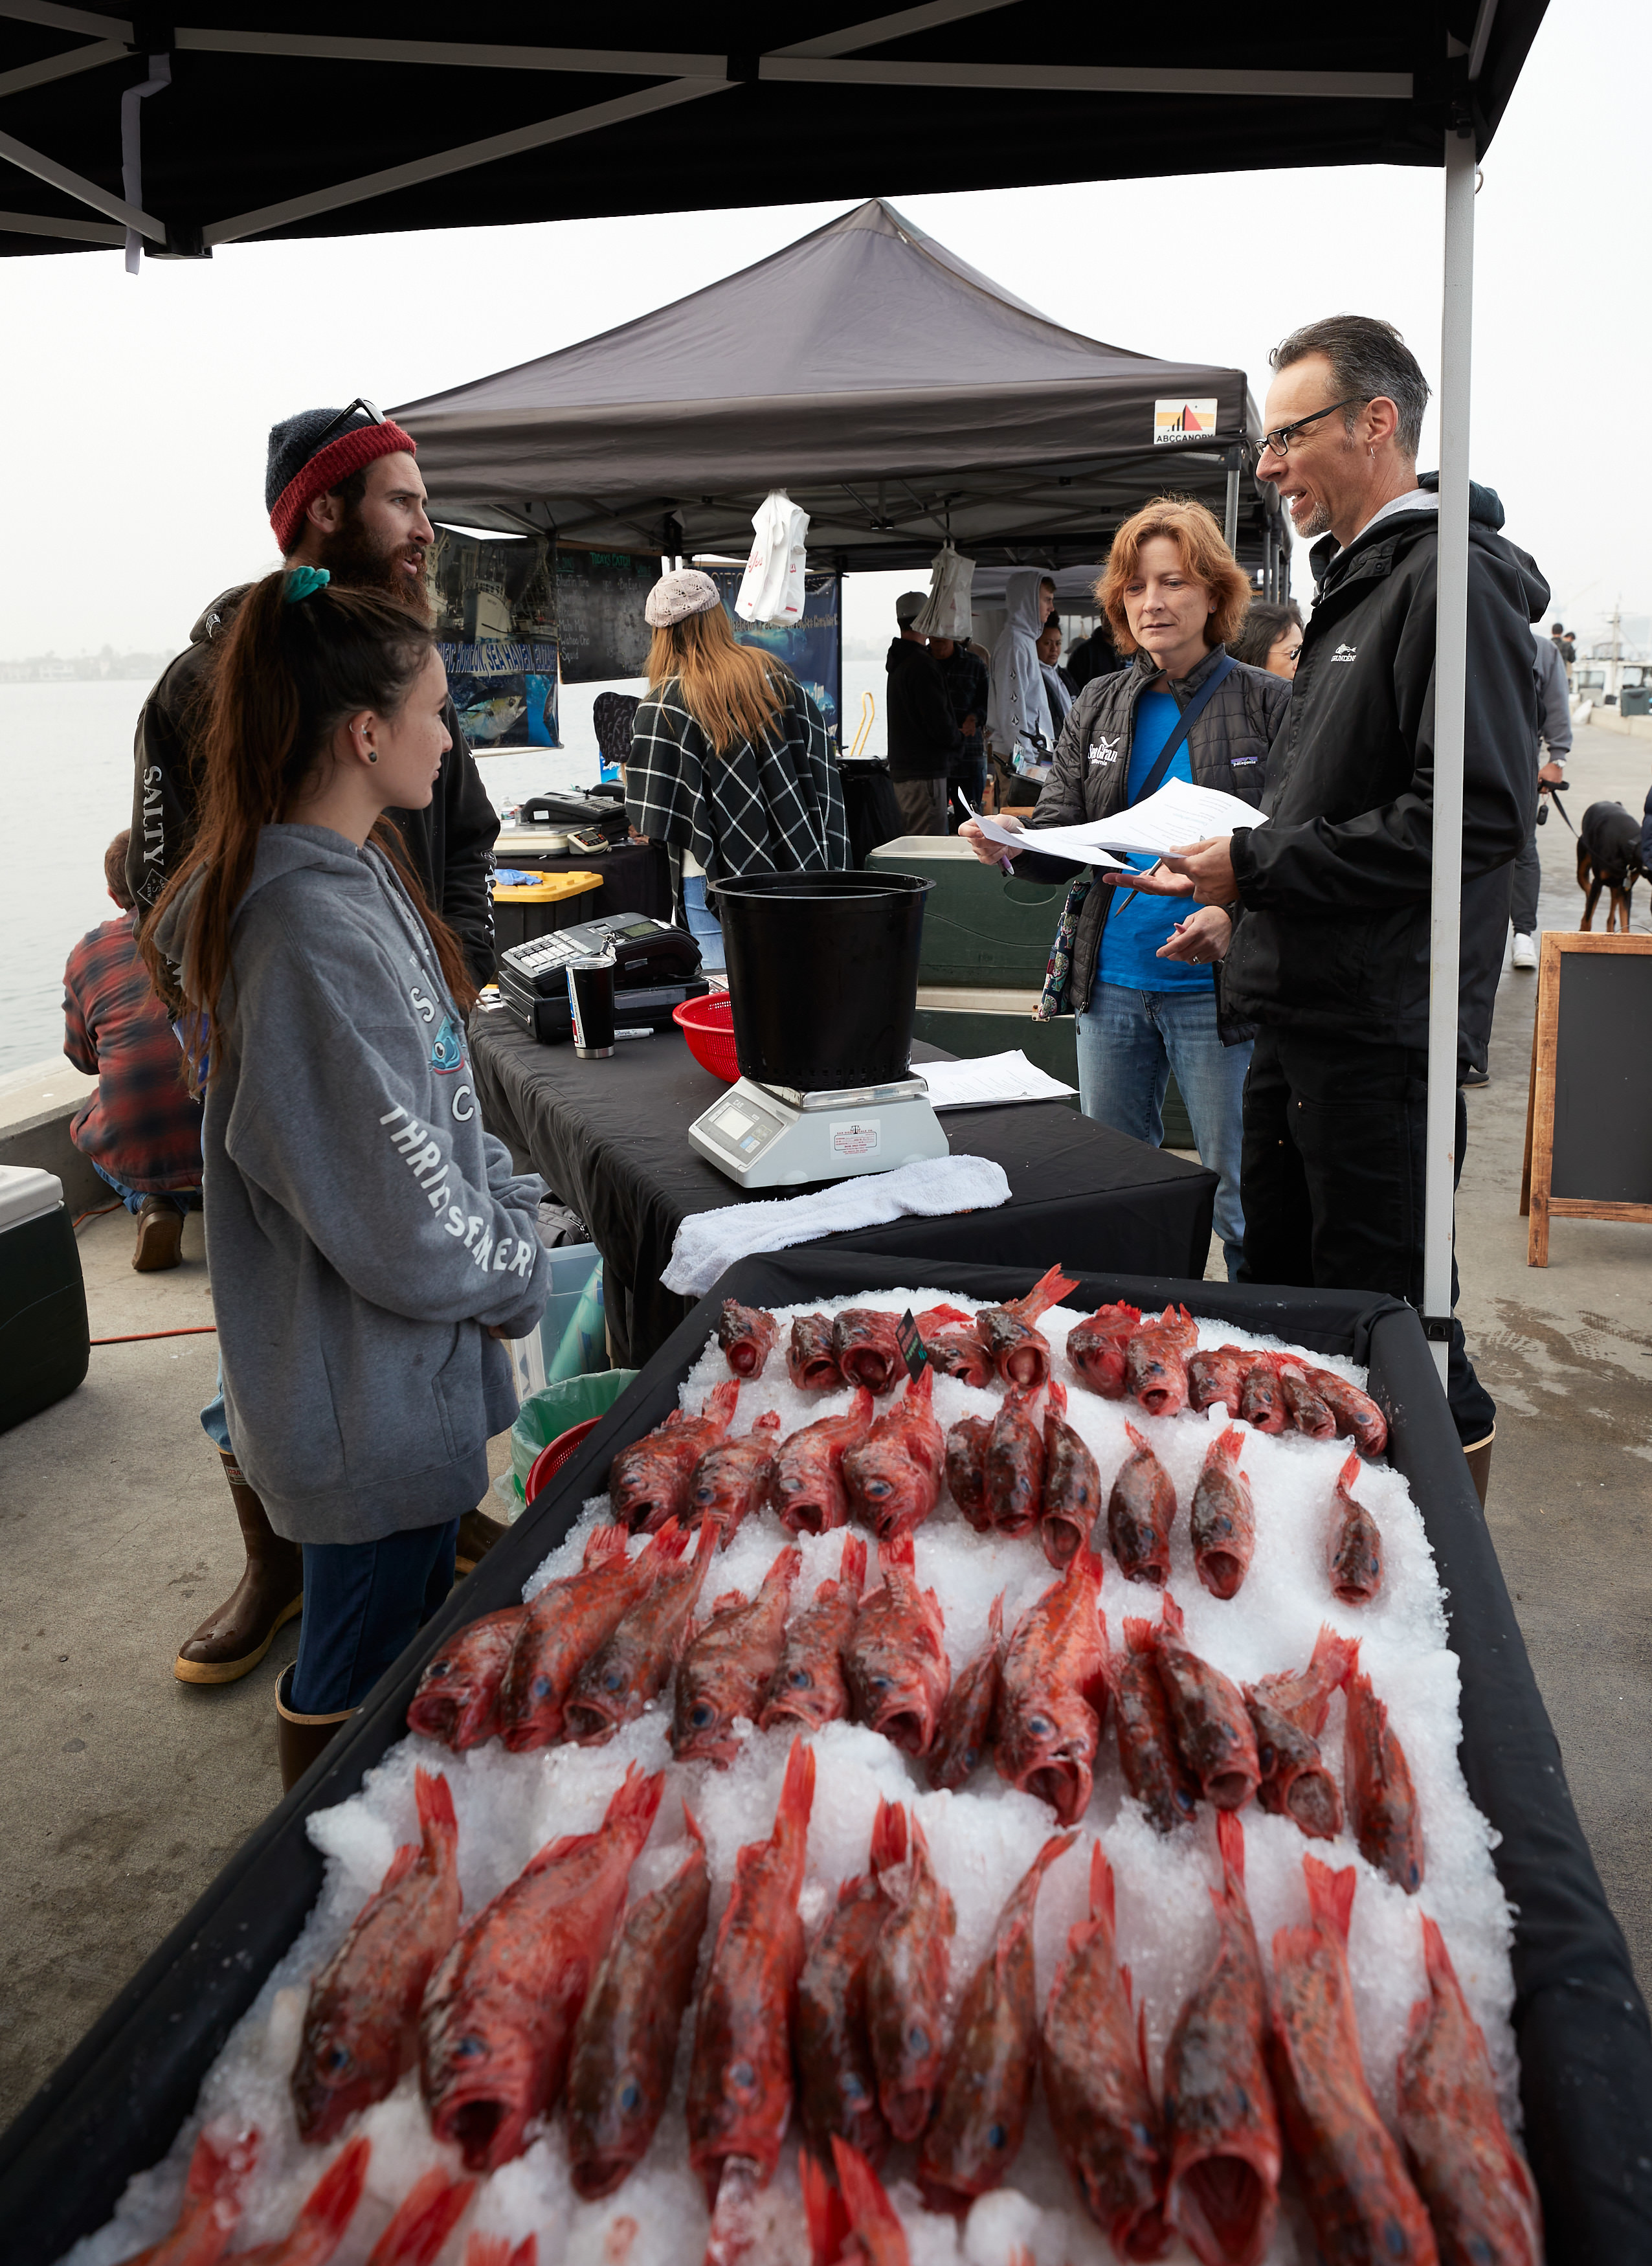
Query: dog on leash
(1608, 857)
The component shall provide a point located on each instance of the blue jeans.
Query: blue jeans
(1129, 1042)
(187, 1200)
(706, 933)
(364, 1603)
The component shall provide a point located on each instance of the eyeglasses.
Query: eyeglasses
(1278, 442)
(371, 410)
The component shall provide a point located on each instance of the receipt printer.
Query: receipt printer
(656, 968)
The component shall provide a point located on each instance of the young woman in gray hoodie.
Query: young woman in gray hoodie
(370, 1243)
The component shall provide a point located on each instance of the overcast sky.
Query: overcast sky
(133, 412)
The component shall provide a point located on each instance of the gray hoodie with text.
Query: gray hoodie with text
(361, 1227)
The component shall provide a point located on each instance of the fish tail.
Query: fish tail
(797, 1792)
(1330, 1897)
(1334, 1657)
(921, 1388)
(635, 1803)
(1050, 1289)
(666, 1544)
(1103, 1892)
(1230, 1841)
(1136, 1440)
(823, 2209)
(1348, 1474)
(861, 1406)
(721, 1402)
(1138, 1635)
(888, 1837)
(1057, 1402)
(995, 1620)
(784, 1572)
(898, 1553)
(868, 2206)
(218, 2169)
(433, 2208)
(1170, 1615)
(330, 2204)
(495, 2250)
(852, 1566)
(1228, 1444)
(691, 1826)
(604, 1544)
(769, 1421)
(1436, 1958)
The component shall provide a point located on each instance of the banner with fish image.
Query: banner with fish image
(494, 604)
(811, 648)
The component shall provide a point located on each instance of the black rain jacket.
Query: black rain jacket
(1335, 931)
(1227, 748)
(925, 743)
(450, 841)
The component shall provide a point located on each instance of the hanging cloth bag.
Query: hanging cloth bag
(772, 588)
(1058, 971)
(948, 612)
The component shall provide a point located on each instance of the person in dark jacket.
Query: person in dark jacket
(964, 674)
(924, 742)
(1144, 990)
(342, 492)
(1093, 656)
(1330, 955)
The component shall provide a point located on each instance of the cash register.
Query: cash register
(656, 967)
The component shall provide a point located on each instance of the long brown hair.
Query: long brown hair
(286, 677)
(731, 691)
(1205, 557)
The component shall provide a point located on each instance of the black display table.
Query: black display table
(612, 1139)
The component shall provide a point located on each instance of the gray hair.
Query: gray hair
(1368, 357)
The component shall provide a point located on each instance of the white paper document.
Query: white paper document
(988, 1079)
(1178, 813)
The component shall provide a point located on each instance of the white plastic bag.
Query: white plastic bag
(947, 612)
(773, 588)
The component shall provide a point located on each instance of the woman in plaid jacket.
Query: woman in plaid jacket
(730, 762)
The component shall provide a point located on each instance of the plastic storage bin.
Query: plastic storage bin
(45, 1343)
(571, 1338)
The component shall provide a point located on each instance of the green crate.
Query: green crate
(995, 1027)
(980, 927)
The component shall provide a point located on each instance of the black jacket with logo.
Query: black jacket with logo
(1227, 748)
(924, 742)
(1334, 934)
(450, 841)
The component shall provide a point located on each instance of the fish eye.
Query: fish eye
(800, 1679)
(878, 1488)
(613, 1680)
(1037, 1725)
(438, 1668)
(630, 2099)
(997, 2137)
(541, 1687)
(337, 2059)
(879, 1683)
(971, 1755)
(853, 2089)
(703, 1715)
(917, 2039)
(470, 2048)
(741, 2073)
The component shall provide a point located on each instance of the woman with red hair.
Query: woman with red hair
(1141, 982)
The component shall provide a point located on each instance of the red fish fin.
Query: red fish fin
(823, 2209)
(1228, 1444)
(1056, 1405)
(1230, 1840)
(1136, 1440)
(1350, 1472)
(725, 1604)
(995, 1620)
(852, 1566)
(1170, 1615)
(897, 1552)
(784, 1572)
(1050, 1289)
(861, 1406)
(1016, 1919)
(869, 2208)
(218, 2169)
(691, 1827)
(942, 1317)
(666, 1545)
(434, 1799)
(604, 1544)
(1330, 1897)
(635, 1803)
(1138, 1635)
(1336, 1657)
(1103, 1892)
(433, 2207)
(330, 2204)
(888, 1837)
(921, 1387)
(1436, 1957)
(797, 1792)
(769, 1421)
(400, 1865)
(849, 1889)
(495, 2250)
(721, 1402)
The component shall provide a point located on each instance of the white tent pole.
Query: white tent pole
(1450, 678)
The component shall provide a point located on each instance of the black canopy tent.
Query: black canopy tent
(896, 394)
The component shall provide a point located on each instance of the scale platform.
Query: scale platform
(766, 1136)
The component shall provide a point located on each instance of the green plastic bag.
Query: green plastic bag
(545, 1415)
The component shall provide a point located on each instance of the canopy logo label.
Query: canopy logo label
(1175, 422)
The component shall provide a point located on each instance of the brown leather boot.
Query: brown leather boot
(1478, 1461)
(231, 1641)
(299, 1739)
(160, 1236)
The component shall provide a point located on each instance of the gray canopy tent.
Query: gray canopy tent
(896, 394)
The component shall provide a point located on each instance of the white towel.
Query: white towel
(709, 1241)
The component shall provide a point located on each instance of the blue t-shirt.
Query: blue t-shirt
(1138, 925)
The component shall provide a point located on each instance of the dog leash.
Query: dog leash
(1556, 792)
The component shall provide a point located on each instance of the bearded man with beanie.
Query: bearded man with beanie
(343, 493)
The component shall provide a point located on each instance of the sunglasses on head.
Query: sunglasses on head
(371, 410)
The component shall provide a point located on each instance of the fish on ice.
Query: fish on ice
(649, 1481)
(1356, 1543)
(634, 1664)
(807, 1687)
(1096, 1347)
(952, 1345)
(729, 1664)
(964, 1735)
(895, 1661)
(457, 1698)
(1072, 1485)
(733, 1479)
(209, 2210)
(966, 1469)
(1289, 1711)
(566, 1621)
(908, 1974)
(807, 1490)
(811, 1360)
(1216, 1378)
(854, 2224)
(1141, 1510)
(1209, 1719)
(892, 1476)
(1382, 1802)
(1148, 1755)
(747, 1337)
(867, 1342)
(1052, 1692)
(1222, 1517)
(1012, 1469)
(838, 2082)
(1156, 1362)
(1019, 1353)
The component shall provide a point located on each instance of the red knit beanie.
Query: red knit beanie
(310, 476)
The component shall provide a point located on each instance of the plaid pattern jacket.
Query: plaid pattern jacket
(774, 807)
(140, 1124)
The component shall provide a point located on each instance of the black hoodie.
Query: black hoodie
(1334, 934)
(450, 841)
(924, 739)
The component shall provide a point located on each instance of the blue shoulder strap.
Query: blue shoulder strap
(1185, 723)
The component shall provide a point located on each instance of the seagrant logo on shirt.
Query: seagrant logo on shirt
(1104, 751)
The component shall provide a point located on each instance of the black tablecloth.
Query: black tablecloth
(636, 877)
(612, 1139)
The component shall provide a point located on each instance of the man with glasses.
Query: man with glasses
(1330, 900)
(343, 492)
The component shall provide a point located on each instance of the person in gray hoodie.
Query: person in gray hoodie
(369, 1241)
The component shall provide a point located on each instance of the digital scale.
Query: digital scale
(768, 1136)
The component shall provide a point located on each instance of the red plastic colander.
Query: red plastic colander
(708, 1025)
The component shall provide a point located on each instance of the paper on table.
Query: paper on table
(988, 1079)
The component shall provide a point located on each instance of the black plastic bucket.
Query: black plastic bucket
(822, 972)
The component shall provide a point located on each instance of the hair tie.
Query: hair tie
(302, 583)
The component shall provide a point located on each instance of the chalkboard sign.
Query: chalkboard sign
(1589, 1113)
(600, 626)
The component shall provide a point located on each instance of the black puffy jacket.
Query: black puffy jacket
(1227, 748)
(1334, 935)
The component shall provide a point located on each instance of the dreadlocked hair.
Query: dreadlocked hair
(286, 678)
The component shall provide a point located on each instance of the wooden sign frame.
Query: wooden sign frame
(1536, 1202)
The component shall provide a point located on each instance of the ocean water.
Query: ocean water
(66, 762)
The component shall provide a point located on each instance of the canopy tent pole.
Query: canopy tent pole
(1451, 679)
(1229, 517)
